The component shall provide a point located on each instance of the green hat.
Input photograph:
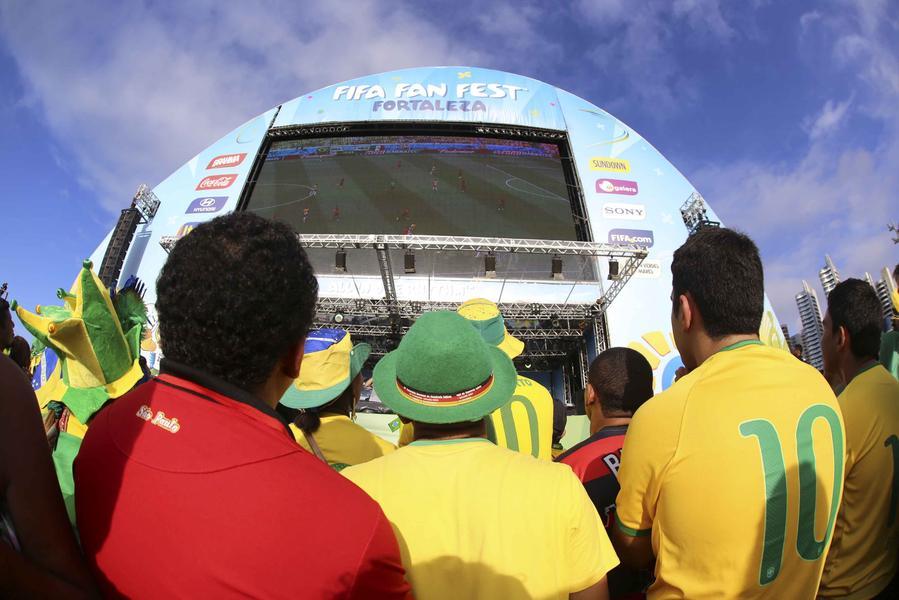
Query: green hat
(330, 363)
(488, 320)
(444, 372)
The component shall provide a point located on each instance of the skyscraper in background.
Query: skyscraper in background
(829, 276)
(812, 329)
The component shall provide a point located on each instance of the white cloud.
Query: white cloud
(837, 198)
(131, 91)
(828, 118)
(638, 38)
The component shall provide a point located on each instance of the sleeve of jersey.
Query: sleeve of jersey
(648, 447)
(590, 555)
(381, 573)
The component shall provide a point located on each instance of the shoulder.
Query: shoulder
(601, 442)
(532, 390)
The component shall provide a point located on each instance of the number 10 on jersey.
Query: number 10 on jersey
(807, 545)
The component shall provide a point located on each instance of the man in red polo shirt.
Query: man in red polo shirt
(192, 485)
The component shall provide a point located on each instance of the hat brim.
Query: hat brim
(295, 398)
(504, 382)
(512, 346)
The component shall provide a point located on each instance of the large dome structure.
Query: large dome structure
(421, 188)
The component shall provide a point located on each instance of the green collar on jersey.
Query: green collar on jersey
(741, 344)
(451, 441)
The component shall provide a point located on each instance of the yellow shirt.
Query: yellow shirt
(711, 469)
(525, 424)
(477, 521)
(863, 557)
(344, 442)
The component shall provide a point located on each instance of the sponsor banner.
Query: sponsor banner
(607, 163)
(616, 186)
(226, 160)
(629, 212)
(207, 204)
(649, 269)
(216, 182)
(639, 237)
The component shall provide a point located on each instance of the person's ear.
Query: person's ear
(842, 338)
(687, 312)
(590, 396)
(290, 364)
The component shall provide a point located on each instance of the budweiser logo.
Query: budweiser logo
(216, 182)
(226, 160)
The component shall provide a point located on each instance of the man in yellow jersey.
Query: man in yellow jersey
(730, 478)
(475, 520)
(320, 403)
(524, 424)
(864, 556)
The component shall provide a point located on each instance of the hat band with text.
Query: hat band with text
(453, 399)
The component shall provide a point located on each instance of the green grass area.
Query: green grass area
(522, 197)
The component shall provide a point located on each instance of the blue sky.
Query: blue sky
(785, 115)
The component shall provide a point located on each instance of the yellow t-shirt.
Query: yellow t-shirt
(344, 442)
(736, 472)
(525, 424)
(477, 521)
(863, 557)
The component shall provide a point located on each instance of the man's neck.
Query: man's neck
(710, 346)
(608, 421)
(850, 366)
(426, 431)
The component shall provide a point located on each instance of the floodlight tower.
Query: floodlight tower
(695, 214)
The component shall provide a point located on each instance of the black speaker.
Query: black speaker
(118, 246)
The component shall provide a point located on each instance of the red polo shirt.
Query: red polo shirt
(183, 490)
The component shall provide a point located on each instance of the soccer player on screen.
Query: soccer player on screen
(434, 185)
(335, 214)
(314, 192)
(305, 213)
(730, 478)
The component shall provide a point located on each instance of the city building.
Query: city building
(812, 329)
(884, 289)
(829, 276)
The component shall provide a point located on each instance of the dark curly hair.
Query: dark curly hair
(853, 304)
(722, 269)
(233, 296)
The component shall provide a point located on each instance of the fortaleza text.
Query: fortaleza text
(448, 105)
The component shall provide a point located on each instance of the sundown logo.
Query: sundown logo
(216, 182)
(605, 163)
(226, 160)
(616, 186)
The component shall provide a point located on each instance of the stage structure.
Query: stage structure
(418, 189)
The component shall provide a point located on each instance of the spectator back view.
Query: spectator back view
(863, 558)
(192, 485)
(730, 478)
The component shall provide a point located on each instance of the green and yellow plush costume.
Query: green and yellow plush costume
(97, 340)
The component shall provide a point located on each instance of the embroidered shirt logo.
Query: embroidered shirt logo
(170, 424)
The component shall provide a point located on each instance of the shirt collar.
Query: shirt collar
(220, 386)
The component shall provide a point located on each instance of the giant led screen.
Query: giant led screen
(416, 184)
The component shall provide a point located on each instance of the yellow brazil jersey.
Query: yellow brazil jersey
(863, 557)
(736, 472)
(525, 424)
(344, 442)
(477, 521)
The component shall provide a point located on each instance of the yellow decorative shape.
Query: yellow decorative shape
(656, 339)
(463, 74)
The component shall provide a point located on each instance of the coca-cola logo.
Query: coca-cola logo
(226, 160)
(216, 182)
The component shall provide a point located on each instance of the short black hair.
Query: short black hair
(797, 345)
(722, 270)
(623, 379)
(853, 304)
(233, 296)
(896, 272)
